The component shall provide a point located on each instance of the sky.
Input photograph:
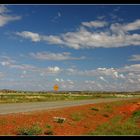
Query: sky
(78, 47)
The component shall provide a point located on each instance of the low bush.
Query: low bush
(95, 109)
(33, 130)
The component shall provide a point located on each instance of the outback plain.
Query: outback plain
(70, 114)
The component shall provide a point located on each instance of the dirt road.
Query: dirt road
(26, 107)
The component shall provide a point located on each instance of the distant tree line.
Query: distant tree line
(69, 92)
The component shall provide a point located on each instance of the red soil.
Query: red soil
(89, 119)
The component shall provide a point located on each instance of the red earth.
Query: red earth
(79, 120)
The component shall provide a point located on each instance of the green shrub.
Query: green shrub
(48, 126)
(95, 109)
(33, 130)
(49, 130)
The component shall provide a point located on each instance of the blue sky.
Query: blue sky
(78, 47)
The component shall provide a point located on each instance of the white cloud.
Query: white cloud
(54, 56)
(122, 76)
(9, 62)
(59, 14)
(96, 24)
(117, 9)
(103, 79)
(131, 68)
(132, 26)
(48, 70)
(23, 67)
(55, 18)
(52, 39)
(135, 57)
(57, 79)
(3, 9)
(116, 74)
(33, 36)
(116, 27)
(70, 81)
(116, 35)
(24, 72)
(6, 61)
(54, 69)
(101, 17)
(6, 18)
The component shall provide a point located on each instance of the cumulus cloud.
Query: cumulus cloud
(114, 78)
(132, 26)
(54, 69)
(54, 56)
(135, 57)
(123, 28)
(52, 39)
(11, 63)
(115, 35)
(96, 24)
(5, 17)
(48, 70)
(35, 37)
(29, 35)
(131, 68)
(121, 79)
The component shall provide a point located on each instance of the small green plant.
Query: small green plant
(33, 130)
(49, 130)
(95, 109)
(48, 126)
(77, 116)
